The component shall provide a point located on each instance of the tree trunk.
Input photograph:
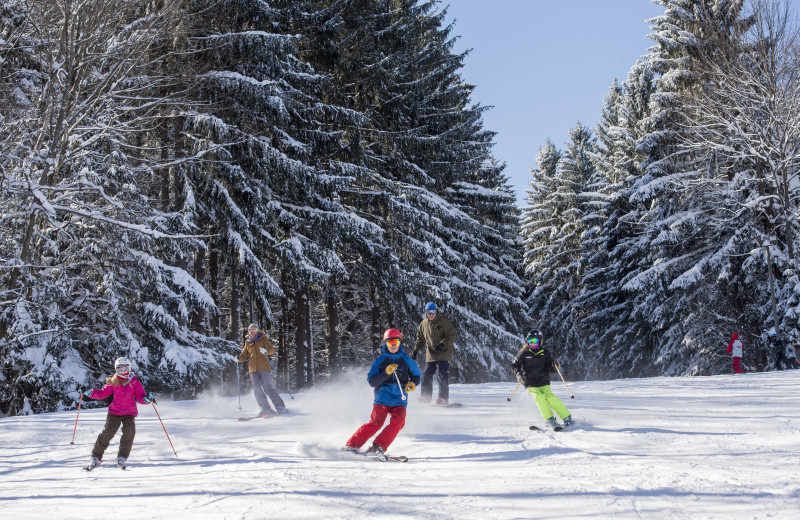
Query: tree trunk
(213, 281)
(332, 330)
(198, 317)
(283, 332)
(300, 339)
(310, 368)
(234, 323)
(375, 318)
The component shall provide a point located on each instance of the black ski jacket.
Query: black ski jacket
(534, 365)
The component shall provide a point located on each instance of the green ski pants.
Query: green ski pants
(547, 402)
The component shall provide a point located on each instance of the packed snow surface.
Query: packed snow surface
(718, 447)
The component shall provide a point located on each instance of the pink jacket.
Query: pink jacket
(126, 395)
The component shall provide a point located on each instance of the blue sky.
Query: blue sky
(545, 65)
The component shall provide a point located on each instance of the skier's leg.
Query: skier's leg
(368, 429)
(258, 390)
(396, 423)
(128, 433)
(555, 403)
(736, 366)
(541, 400)
(269, 388)
(104, 439)
(443, 378)
(426, 387)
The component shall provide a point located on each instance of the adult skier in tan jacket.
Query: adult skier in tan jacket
(436, 335)
(255, 350)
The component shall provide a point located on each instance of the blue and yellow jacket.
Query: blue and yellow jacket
(386, 390)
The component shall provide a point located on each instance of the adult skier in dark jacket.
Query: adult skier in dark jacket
(532, 367)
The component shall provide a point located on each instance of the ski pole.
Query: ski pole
(80, 400)
(402, 395)
(165, 429)
(514, 392)
(571, 396)
(238, 386)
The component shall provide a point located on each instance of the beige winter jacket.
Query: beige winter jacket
(257, 352)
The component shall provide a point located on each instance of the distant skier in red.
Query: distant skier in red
(735, 348)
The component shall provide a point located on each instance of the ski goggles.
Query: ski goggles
(533, 341)
(122, 369)
(393, 342)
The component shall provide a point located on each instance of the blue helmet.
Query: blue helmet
(430, 306)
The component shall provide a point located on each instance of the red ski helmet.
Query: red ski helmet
(392, 334)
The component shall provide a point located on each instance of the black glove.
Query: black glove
(439, 347)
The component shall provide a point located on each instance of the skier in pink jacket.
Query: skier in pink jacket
(735, 347)
(127, 391)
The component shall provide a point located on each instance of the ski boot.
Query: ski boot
(281, 410)
(350, 449)
(121, 463)
(92, 464)
(377, 453)
(568, 421)
(442, 401)
(551, 423)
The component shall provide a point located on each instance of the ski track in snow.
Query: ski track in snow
(718, 447)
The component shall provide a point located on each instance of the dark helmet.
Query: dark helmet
(534, 339)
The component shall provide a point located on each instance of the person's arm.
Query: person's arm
(269, 348)
(377, 377)
(420, 343)
(102, 393)
(516, 365)
(450, 336)
(139, 393)
(244, 355)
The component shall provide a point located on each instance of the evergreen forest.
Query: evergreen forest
(173, 170)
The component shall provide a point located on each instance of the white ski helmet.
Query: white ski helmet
(122, 366)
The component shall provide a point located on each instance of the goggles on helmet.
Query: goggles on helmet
(122, 369)
(393, 342)
(533, 341)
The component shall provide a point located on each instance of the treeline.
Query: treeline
(171, 170)
(651, 239)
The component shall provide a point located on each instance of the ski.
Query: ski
(389, 458)
(256, 417)
(556, 429)
(90, 467)
(450, 405)
(395, 458)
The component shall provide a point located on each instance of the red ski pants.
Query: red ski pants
(376, 420)
(736, 367)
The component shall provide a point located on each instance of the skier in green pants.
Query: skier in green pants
(532, 367)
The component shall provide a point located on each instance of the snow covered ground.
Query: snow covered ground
(704, 447)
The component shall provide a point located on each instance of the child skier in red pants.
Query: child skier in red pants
(390, 373)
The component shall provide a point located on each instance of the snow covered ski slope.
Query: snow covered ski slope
(721, 447)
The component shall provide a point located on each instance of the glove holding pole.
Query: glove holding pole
(391, 370)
